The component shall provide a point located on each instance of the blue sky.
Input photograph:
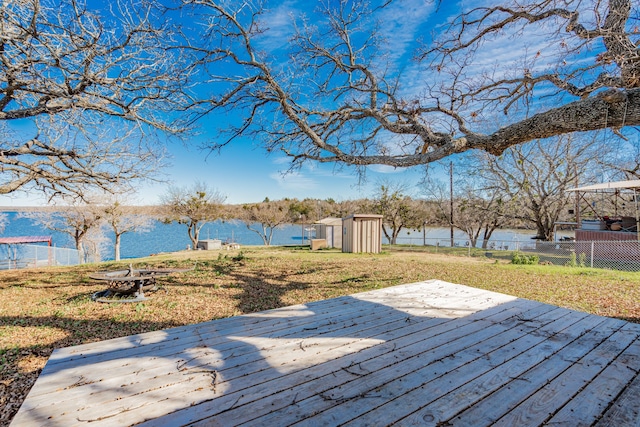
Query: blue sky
(244, 172)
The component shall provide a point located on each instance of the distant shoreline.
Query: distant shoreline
(48, 208)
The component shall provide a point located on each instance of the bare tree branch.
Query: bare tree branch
(333, 92)
(535, 177)
(85, 71)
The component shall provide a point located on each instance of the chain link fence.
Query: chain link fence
(615, 255)
(16, 256)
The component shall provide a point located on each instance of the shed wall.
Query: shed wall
(331, 232)
(209, 245)
(362, 234)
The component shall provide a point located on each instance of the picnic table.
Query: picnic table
(130, 284)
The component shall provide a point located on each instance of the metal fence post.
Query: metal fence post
(592, 246)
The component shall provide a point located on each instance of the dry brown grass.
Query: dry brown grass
(50, 308)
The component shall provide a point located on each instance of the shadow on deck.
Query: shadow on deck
(429, 353)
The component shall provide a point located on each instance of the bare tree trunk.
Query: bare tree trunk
(117, 247)
(82, 256)
(266, 237)
(194, 233)
(391, 240)
(396, 233)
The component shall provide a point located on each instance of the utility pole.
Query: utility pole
(451, 200)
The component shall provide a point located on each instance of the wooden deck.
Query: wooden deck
(430, 353)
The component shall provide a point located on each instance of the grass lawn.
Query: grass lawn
(43, 309)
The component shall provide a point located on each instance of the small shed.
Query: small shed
(330, 229)
(362, 233)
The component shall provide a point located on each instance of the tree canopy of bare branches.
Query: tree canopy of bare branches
(334, 92)
(264, 218)
(122, 219)
(399, 211)
(193, 206)
(81, 221)
(81, 91)
(535, 177)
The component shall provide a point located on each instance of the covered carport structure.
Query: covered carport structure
(24, 240)
(10, 242)
(611, 239)
(617, 188)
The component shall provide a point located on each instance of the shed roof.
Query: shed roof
(24, 240)
(372, 216)
(635, 183)
(330, 221)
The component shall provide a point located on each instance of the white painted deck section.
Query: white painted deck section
(425, 354)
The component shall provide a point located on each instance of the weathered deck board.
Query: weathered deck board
(586, 406)
(231, 348)
(515, 380)
(416, 354)
(539, 408)
(323, 392)
(436, 389)
(625, 410)
(518, 388)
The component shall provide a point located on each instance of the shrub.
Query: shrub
(575, 261)
(582, 260)
(520, 258)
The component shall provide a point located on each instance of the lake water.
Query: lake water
(173, 237)
(162, 238)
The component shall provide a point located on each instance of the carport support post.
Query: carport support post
(451, 201)
(635, 199)
(578, 219)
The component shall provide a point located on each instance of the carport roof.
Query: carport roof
(24, 239)
(609, 186)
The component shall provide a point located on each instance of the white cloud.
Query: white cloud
(278, 21)
(281, 160)
(402, 23)
(294, 181)
(384, 169)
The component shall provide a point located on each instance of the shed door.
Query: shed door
(329, 235)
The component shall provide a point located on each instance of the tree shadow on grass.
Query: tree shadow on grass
(42, 281)
(262, 290)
